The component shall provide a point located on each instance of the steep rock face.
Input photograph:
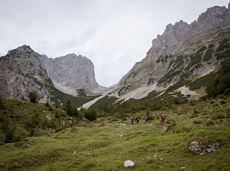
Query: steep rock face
(21, 72)
(183, 51)
(71, 72)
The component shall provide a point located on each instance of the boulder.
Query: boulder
(129, 163)
(201, 147)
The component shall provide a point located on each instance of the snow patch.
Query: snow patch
(139, 93)
(207, 71)
(185, 91)
(105, 93)
(90, 103)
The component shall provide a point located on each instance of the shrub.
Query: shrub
(197, 122)
(50, 108)
(148, 117)
(122, 116)
(223, 102)
(195, 111)
(91, 115)
(194, 115)
(41, 132)
(221, 84)
(219, 116)
(223, 45)
(210, 123)
(56, 105)
(9, 136)
(2, 106)
(19, 134)
(70, 110)
(47, 104)
(208, 55)
(33, 97)
(74, 112)
(81, 92)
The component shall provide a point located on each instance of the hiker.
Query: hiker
(162, 120)
(132, 121)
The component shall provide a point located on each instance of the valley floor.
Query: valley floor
(104, 145)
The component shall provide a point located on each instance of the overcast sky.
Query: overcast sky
(114, 34)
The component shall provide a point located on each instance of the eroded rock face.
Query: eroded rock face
(71, 72)
(21, 72)
(179, 52)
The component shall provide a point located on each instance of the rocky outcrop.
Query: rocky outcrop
(182, 51)
(202, 146)
(21, 72)
(71, 72)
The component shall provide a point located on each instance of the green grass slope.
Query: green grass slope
(20, 119)
(105, 144)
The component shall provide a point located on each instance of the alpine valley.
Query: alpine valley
(171, 111)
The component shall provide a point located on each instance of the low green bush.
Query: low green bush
(33, 97)
(70, 109)
(197, 122)
(91, 115)
(218, 116)
(210, 122)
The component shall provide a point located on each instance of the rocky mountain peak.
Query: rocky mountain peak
(21, 72)
(71, 56)
(179, 44)
(213, 12)
(213, 17)
(25, 49)
(175, 35)
(181, 25)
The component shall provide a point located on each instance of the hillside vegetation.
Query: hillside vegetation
(106, 143)
(19, 119)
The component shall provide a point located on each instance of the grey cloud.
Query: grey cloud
(114, 34)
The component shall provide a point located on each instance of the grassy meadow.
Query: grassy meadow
(104, 144)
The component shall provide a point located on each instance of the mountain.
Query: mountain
(182, 56)
(182, 51)
(71, 73)
(23, 71)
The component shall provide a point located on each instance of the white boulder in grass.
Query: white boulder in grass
(129, 163)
